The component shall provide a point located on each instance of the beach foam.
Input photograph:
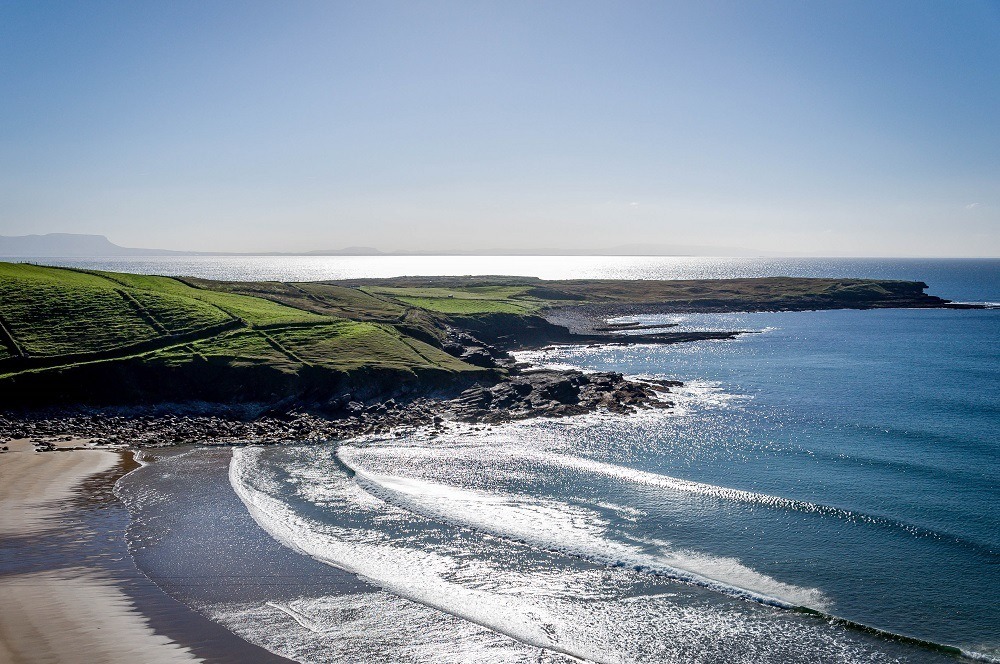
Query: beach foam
(582, 532)
(602, 613)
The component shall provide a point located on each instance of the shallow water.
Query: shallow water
(816, 464)
(430, 590)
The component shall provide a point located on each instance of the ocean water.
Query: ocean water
(824, 490)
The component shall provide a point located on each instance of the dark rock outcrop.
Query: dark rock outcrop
(551, 393)
(537, 393)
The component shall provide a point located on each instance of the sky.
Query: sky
(801, 127)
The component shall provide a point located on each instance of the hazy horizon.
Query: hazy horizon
(810, 129)
(66, 245)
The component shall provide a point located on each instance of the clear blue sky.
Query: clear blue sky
(836, 128)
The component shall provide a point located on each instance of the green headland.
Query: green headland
(72, 336)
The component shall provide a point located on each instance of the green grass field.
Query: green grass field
(53, 311)
(351, 345)
(259, 312)
(758, 290)
(340, 346)
(56, 312)
(254, 310)
(179, 314)
(105, 316)
(66, 319)
(353, 302)
(468, 295)
(462, 301)
(241, 348)
(467, 306)
(317, 297)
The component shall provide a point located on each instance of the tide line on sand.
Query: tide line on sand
(72, 614)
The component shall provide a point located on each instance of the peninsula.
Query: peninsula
(118, 358)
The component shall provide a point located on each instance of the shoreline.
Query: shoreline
(528, 393)
(69, 591)
(61, 602)
(507, 391)
(49, 615)
(93, 588)
(861, 630)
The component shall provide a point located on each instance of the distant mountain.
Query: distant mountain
(77, 245)
(70, 245)
(620, 250)
(682, 250)
(346, 251)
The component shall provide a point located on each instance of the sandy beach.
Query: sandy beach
(69, 614)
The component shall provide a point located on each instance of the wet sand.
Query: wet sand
(72, 614)
(32, 484)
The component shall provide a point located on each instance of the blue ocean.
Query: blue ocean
(824, 489)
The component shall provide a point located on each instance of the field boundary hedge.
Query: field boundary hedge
(23, 363)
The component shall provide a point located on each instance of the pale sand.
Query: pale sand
(31, 482)
(66, 615)
(73, 615)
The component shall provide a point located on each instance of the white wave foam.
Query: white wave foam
(978, 656)
(700, 395)
(603, 614)
(502, 446)
(408, 572)
(557, 526)
(371, 627)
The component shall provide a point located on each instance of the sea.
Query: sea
(826, 488)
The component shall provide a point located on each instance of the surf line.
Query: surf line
(899, 638)
(624, 473)
(277, 521)
(368, 482)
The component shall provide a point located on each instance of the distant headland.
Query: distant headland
(71, 245)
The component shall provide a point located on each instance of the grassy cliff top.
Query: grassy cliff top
(52, 317)
(530, 294)
(55, 320)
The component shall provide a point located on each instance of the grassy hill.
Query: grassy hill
(76, 335)
(61, 325)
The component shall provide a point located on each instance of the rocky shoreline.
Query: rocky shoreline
(507, 391)
(528, 393)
